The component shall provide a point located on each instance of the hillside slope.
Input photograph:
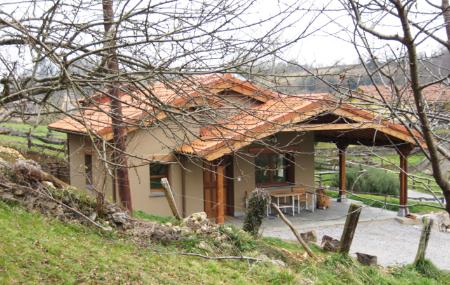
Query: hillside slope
(39, 250)
(50, 234)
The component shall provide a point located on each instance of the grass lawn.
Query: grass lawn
(20, 143)
(39, 250)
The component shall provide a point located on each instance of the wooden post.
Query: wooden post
(29, 143)
(297, 235)
(220, 217)
(424, 237)
(342, 147)
(350, 227)
(170, 198)
(403, 152)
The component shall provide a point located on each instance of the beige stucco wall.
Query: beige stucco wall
(78, 147)
(142, 144)
(244, 179)
(193, 170)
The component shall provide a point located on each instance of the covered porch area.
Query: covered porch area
(279, 152)
(284, 167)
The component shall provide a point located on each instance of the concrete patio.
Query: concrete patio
(335, 215)
(378, 233)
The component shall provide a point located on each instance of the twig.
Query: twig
(297, 235)
(252, 259)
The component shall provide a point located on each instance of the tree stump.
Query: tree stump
(366, 259)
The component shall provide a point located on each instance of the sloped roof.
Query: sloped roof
(274, 113)
(95, 117)
(282, 114)
(437, 93)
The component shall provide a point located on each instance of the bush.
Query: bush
(256, 210)
(373, 180)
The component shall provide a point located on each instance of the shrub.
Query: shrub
(256, 210)
(372, 180)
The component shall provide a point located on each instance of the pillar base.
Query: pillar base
(342, 198)
(403, 211)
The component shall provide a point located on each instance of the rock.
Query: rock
(366, 259)
(120, 218)
(309, 237)
(50, 205)
(29, 169)
(407, 221)
(48, 184)
(330, 244)
(278, 262)
(8, 197)
(19, 192)
(203, 245)
(93, 216)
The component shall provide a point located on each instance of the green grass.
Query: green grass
(20, 143)
(378, 202)
(153, 218)
(39, 250)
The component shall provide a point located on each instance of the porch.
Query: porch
(283, 163)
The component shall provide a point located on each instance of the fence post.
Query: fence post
(29, 139)
(424, 237)
(350, 227)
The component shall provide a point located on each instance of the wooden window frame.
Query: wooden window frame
(158, 192)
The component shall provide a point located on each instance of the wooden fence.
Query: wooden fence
(51, 164)
(324, 178)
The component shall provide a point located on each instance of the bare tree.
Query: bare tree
(403, 71)
(87, 51)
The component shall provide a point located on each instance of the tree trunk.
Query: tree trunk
(119, 157)
(420, 104)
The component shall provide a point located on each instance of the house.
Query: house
(436, 97)
(218, 137)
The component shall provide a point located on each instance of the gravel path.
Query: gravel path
(392, 242)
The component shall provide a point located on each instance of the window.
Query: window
(274, 169)
(88, 171)
(158, 171)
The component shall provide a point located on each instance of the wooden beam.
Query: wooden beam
(220, 188)
(170, 198)
(403, 152)
(382, 128)
(263, 149)
(342, 147)
(330, 127)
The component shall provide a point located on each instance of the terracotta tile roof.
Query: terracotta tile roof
(257, 122)
(95, 118)
(437, 93)
(275, 116)
(274, 113)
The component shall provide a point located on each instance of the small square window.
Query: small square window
(157, 172)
